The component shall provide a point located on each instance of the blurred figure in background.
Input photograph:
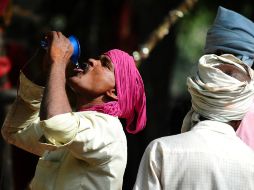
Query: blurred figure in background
(207, 154)
(17, 166)
(7, 95)
(232, 33)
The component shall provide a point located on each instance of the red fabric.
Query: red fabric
(3, 5)
(126, 33)
(5, 65)
(131, 104)
(5, 86)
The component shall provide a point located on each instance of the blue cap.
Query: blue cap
(231, 33)
(76, 49)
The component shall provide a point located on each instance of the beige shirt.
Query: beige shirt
(209, 157)
(79, 150)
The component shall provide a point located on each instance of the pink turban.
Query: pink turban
(131, 103)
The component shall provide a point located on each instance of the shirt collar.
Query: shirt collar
(216, 126)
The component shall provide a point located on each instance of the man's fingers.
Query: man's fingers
(59, 34)
(55, 35)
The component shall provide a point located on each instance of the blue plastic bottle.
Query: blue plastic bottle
(76, 49)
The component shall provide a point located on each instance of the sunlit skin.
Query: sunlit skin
(94, 85)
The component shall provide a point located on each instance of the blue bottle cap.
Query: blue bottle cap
(76, 49)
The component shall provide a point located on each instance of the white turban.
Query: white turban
(216, 95)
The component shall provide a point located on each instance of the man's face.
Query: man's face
(95, 80)
(234, 71)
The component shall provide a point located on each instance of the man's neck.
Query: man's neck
(84, 103)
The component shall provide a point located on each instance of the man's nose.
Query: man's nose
(92, 62)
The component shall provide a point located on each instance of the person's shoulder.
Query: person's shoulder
(101, 121)
(173, 138)
(98, 115)
(174, 142)
(166, 140)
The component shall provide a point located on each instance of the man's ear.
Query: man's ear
(112, 94)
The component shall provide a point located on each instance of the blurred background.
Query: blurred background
(165, 36)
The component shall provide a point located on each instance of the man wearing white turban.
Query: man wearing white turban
(233, 33)
(208, 154)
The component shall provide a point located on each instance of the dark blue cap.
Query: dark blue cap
(232, 33)
(76, 49)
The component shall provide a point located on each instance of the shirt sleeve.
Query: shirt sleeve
(21, 127)
(90, 135)
(149, 172)
(61, 129)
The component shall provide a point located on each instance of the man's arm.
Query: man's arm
(20, 127)
(55, 100)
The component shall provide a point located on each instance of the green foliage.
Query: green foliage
(191, 33)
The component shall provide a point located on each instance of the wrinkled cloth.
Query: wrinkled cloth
(78, 150)
(208, 157)
(216, 95)
(231, 33)
(131, 103)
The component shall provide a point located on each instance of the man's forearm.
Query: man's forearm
(20, 125)
(55, 100)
